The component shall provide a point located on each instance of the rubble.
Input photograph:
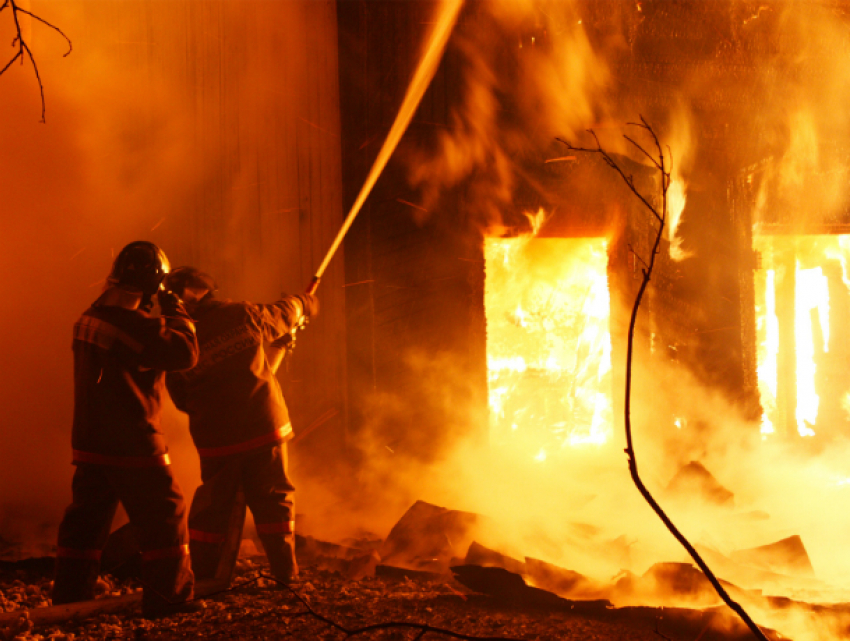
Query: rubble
(351, 585)
(562, 581)
(694, 480)
(261, 609)
(427, 537)
(481, 555)
(787, 556)
(678, 584)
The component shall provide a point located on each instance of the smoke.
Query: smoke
(546, 81)
(75, 190)
(579, 508)
(154, 130)
(803, 116)
(788, 128)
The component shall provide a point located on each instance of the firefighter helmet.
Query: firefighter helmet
(182, 277)
(141, 265)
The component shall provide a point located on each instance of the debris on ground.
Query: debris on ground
(418, 579)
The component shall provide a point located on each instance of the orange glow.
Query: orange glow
(806, 291)
(767, 332)
(676, 198)
(548, 343)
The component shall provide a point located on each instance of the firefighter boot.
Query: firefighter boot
(74, 580)
(280, 551)
(168, 590)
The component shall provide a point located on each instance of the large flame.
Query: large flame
(676, 198)
(548, 342)
(792, 290)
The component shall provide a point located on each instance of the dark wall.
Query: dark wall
(414, 277)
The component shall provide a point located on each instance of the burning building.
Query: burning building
(473, 328)
(516, 275)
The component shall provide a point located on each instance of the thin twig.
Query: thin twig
(644, 152)
(661, 217)
(612, 163)
(23, 47)
(349, 632)
(636, 255)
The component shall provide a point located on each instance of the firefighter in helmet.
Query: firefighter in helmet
(121, 354)
(239, 423)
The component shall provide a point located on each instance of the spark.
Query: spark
(404, 202)
(315, 126)
(559, 159)
(362, 282)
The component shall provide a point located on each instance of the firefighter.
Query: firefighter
(121, 354)
(239, 423)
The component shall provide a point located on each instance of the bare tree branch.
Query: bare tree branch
(644, 152)
(659, 163)
(611, 163)
(24, 49)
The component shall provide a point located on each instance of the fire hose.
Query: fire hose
(448, 13)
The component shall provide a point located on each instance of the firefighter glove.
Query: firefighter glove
(310, 304)
(169, 303)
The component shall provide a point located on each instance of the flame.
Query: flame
(767, 331)
(812, 294)
(676, 199)
(548, 344)
(808, 287)
(536, 221)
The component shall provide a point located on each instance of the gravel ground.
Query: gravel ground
(260, 609)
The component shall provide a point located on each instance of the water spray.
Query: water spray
(446, 19)
(447, 16)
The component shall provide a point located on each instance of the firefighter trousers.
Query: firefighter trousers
(154, 503)
(261, 476)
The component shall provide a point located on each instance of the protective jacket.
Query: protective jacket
(119, 360)
(232, 397)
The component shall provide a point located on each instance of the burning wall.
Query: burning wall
(548, 343)
(802, 307)
(732, 86)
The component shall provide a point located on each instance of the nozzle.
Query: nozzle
(314, 285)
